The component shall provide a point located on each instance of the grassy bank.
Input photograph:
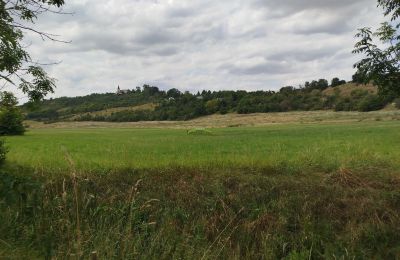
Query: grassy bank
(284, 191)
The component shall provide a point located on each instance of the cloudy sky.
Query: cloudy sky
(201, 44)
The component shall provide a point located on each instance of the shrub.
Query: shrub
(199, 131)
(371, 103)
(11, 122)
(358, 93)
(3, 151)
(11, 118)
(397, 103)
(344, 105)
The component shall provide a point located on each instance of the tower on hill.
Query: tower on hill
(122, 91)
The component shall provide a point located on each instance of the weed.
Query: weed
(3, 151)
(199, 131)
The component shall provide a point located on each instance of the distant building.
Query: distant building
(122, 91)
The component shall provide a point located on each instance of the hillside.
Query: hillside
(67, 108)
(234, 120)
(348, 88)
(109, 111)
(151, 104)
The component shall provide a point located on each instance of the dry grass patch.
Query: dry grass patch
(110, 111)
(347, 89)
(237, 120)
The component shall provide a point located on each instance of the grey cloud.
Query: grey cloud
(157, 36)
(193, 44)
(328, 29)
(266, 67)
(166, 51)
(302, 54)
(337, 26)
(182, 12)
(314, 16)
(293, 6)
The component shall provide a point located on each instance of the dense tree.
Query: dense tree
(212, 106)
(358, 78)
(186, 105)
(381, 65)
(174, 93)
(287, 90)
(11, 118)
(16, 66)
(337, 82)
(320, 84)
(323, 84)
(150, 90)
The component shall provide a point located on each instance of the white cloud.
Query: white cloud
(201, 44)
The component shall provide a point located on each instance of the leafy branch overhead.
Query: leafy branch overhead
(381, 64)
(391, 7)
(16, 65)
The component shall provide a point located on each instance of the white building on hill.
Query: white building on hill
(122, 91)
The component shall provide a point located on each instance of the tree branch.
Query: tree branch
(43, 35)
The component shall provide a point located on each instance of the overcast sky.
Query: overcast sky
(201, 44)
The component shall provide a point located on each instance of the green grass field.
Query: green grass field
(289, 191)
(327, 146)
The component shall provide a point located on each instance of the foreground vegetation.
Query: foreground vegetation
(295, 192)
(283, 191)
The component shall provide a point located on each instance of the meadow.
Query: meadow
(328, 146)
(293, 191)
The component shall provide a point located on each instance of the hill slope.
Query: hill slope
(348, 88)
(150, 103)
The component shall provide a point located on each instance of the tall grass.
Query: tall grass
(295, 192)
(193, 214)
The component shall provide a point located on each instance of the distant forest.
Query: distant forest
(175, 105)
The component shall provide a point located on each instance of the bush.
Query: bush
(371, 103)
(397, 103)
(3, 151)
(199, 131)
(344, 105)
(11, 122)
(11, 118)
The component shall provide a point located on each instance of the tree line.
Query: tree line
(176, 105)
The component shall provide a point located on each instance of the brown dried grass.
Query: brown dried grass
(237, 120)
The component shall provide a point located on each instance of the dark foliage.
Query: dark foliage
(11, 122)
(397, 103)
(16, 65)
(358, 78)
(381, 65)
(11, 118)
(337, 82)
(3, 151)
(175, 105)
(371, 103)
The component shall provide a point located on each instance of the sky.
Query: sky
(200, 44)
